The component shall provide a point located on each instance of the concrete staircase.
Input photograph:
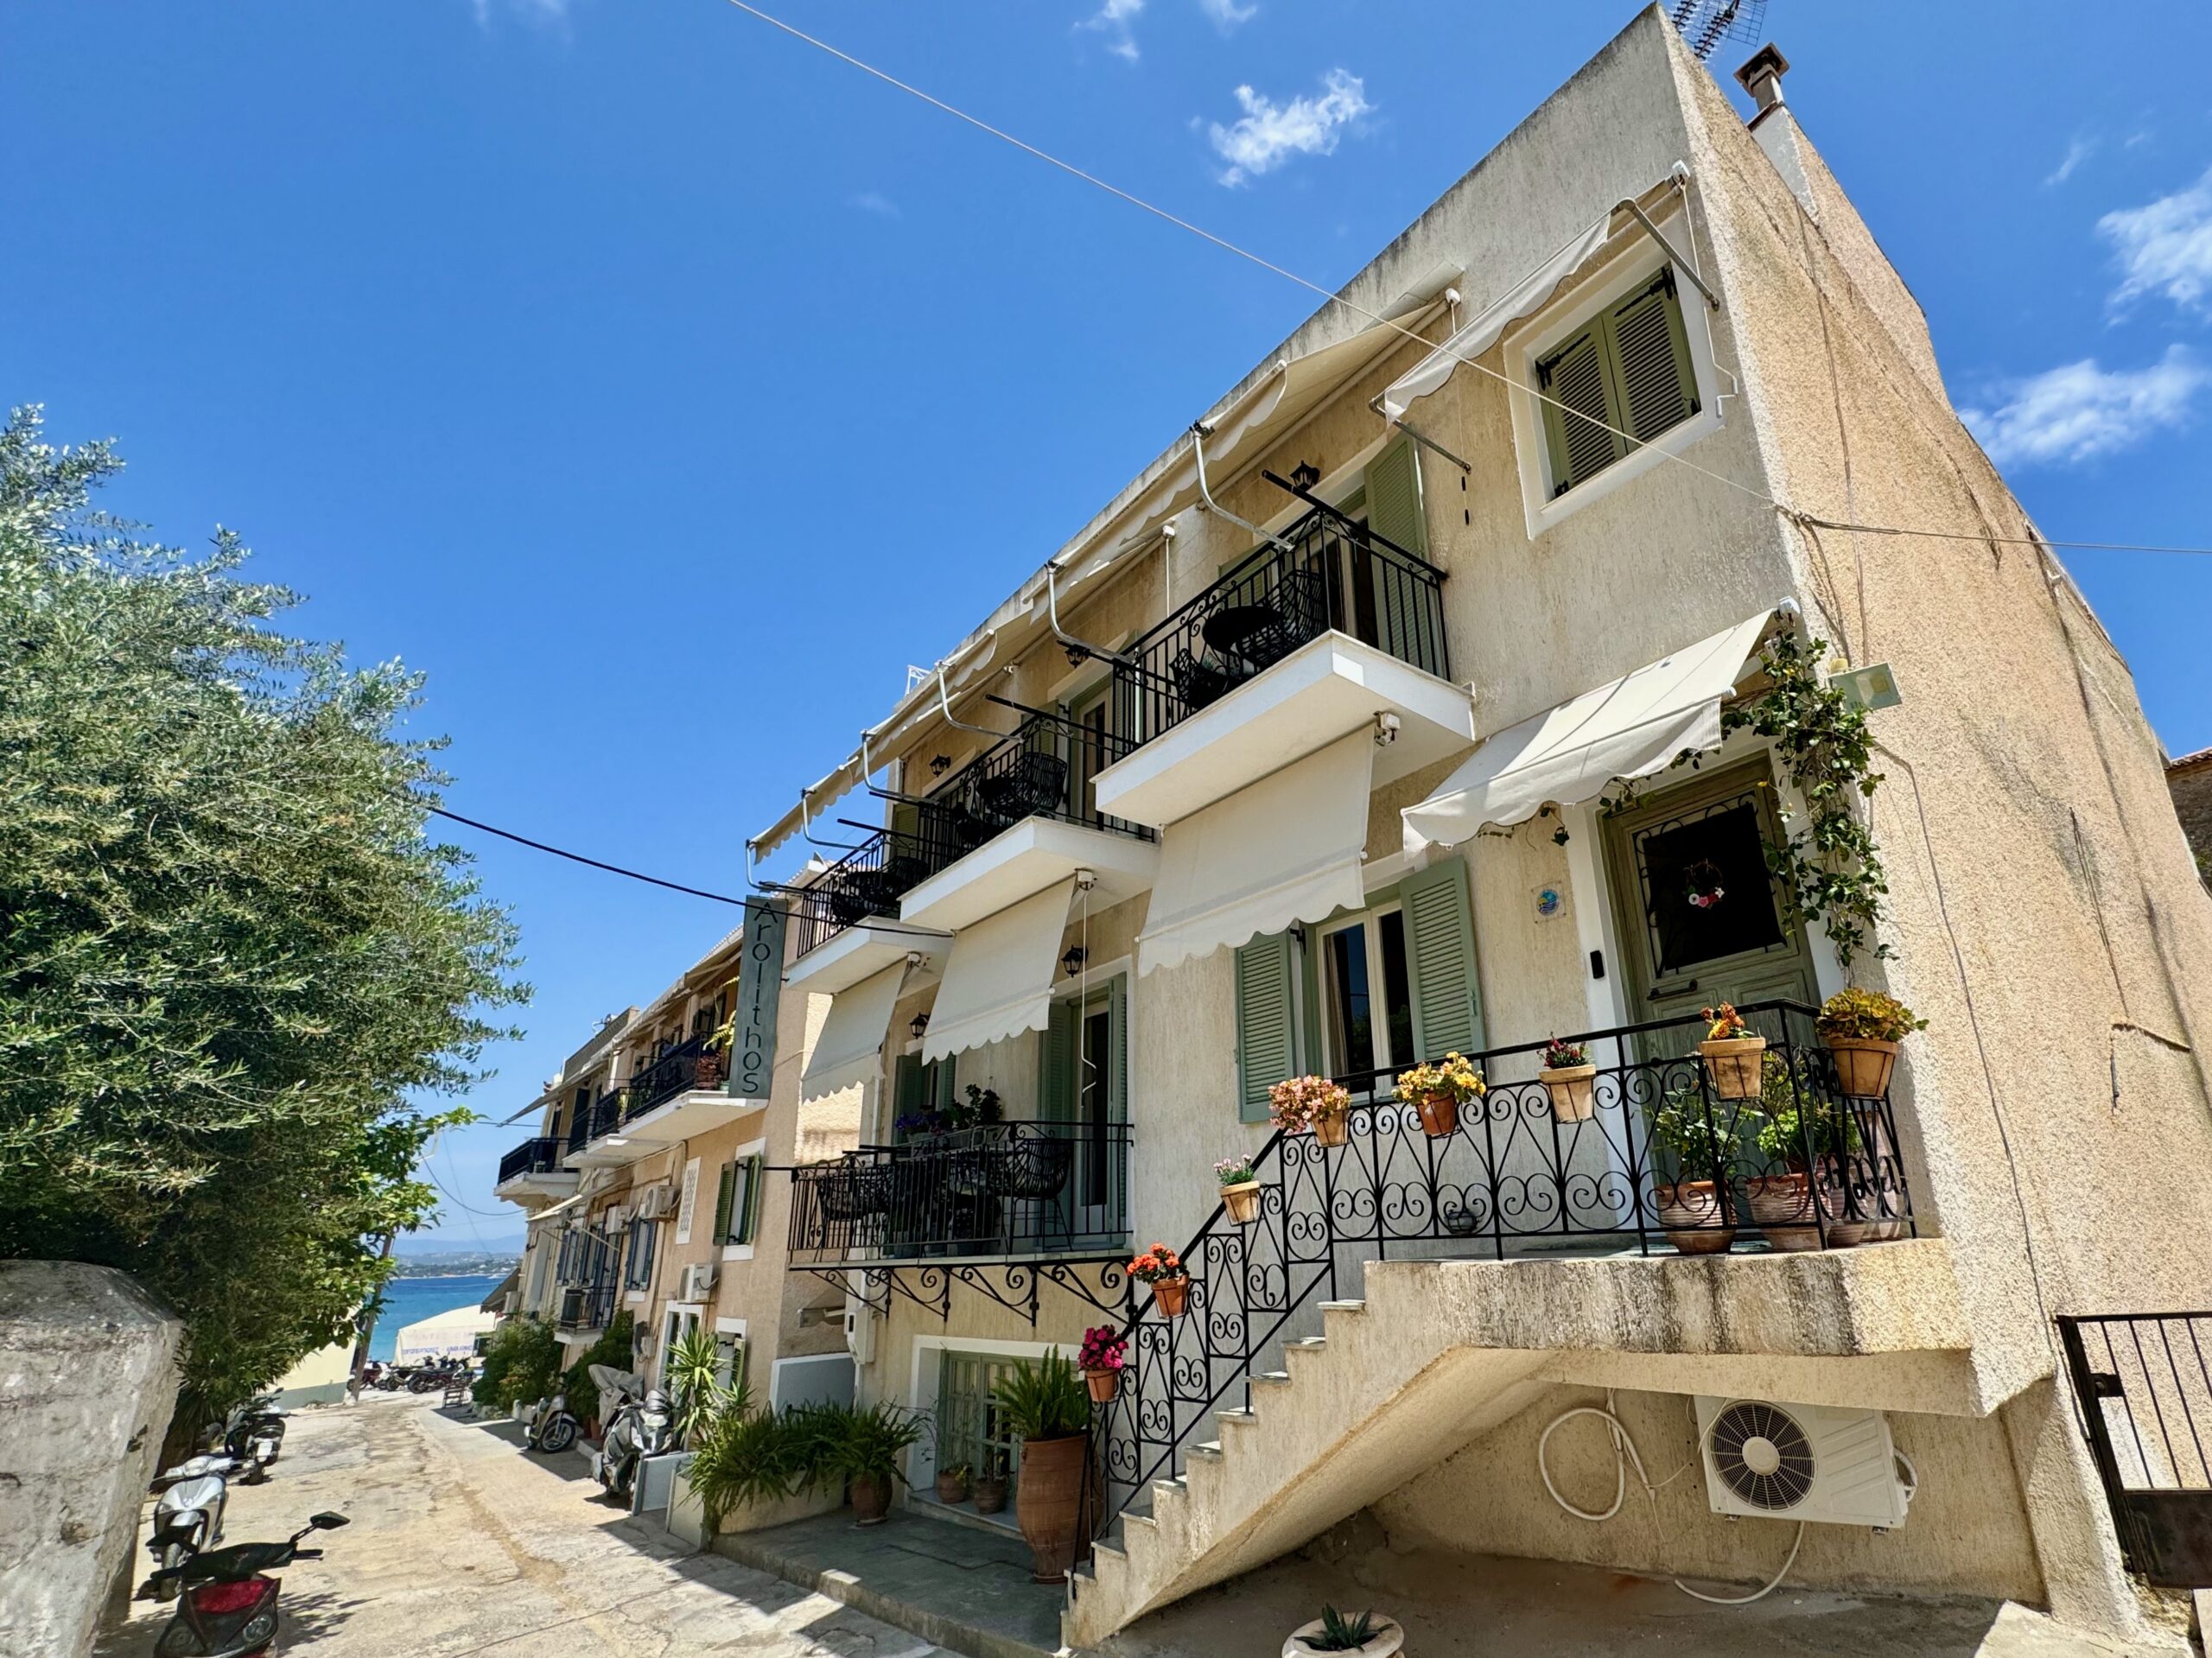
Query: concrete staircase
(1441, 1351)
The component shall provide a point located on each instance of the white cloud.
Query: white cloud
(1113, 20)
(536, 11)
(2079, 412)
(2165, 247)
(1227, 14)
(874, 201)
(2079, 149)
(1266, 133)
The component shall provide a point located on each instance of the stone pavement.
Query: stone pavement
(462, 1544)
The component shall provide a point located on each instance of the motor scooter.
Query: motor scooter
(254, 1434)
(548, 1426)
(229, 1608)
(639, 1428)
(190, 1515)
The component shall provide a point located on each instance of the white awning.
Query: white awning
(1474, 337)
(998, 980)
(1286, 848)
(850, 1050)
(1630, 728)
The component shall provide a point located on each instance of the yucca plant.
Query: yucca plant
(1342, 1634)
(695, 1383)
(742, 1456)
(1045, 1401)
(869, 1443)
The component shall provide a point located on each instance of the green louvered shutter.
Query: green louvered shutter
(1575, 377)
(1266, 1028)
(1393, 511)
(1650, 360)
(1440, 938)
(1117, 1038)
(746, 1210)
(1056, 1064)
(942, 1082)
(725, 1194)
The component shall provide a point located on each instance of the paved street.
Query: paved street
(461, 1544)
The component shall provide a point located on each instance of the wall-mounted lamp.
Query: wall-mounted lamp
(939, 765)
(919, 1024)
(1071, 963)
(1306, 475)
(1077, 655)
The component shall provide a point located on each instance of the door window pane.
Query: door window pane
(1352, 1025)
(1705, 886)
(1397, 989)
(970, 1427)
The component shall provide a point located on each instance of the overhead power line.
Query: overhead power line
(1333, 298)
(578, 857)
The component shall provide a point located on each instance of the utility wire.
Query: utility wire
(1227, 246)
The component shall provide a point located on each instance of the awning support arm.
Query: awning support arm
(944, 707)
(806, 828)
(1420, 437)
(1689, 268)
(1199, 448)
(1052, 613)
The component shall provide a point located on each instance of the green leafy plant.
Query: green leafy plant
(866, 1442)
(520, 1363)
(1855, 1014)
(1797, 1120)
(693, 1374)
(616, 1346)
(1701, 1140)
(1046, 1400)
(1829, 868)
(1342, 1634)
(745, 1456)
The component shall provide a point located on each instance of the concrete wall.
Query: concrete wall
(319, 1379)
(87, 1380)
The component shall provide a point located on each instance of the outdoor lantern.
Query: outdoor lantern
(921, 1023)
(1073, 961)
(1306, 475)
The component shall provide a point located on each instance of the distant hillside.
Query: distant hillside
(491, 1244)
(448, 1263)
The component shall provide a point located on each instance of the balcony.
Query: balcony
(844, 923)
(534, 1169)
(678, 1096)
(1021, 817)
(586, 1307)
(1008, 1190)
(1308, 640)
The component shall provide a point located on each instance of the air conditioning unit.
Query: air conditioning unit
(859, 1329)
(1801, 1461)
(699, 1279)
(656, 1203)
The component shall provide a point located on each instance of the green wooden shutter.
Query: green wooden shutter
(1117, 1041)
(1056, 1063)
(746, 1210)
(1575, 376)
(1440, 940)
(1650, 362)
(725, 1193)
(943, 1081)
(1393, 511)
(1267, 1029)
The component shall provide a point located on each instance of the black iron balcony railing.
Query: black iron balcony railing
(692, 1065)
(586, 1307)
(1007, 1189)
(868, 880)
(1043, 768)
(606, 1112)
(533, 1157)
(579, 1134)
(1654, 1154)
(2143, 1386)
(1329, 572)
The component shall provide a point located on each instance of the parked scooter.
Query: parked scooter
(253, 1433)
(548, 1425)
(230, 1607)
(638, 1429)
(189, 1516)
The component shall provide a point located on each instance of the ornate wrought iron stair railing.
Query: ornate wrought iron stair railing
(1513, 1175)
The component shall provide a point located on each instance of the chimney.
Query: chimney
(1761, 79)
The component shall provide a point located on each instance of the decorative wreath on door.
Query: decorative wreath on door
(1704, 889)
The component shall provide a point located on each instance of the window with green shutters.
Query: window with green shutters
(1268, 982)
(1440, 942)
(737, 1200)
(1616, 385)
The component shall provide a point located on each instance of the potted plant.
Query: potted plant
(1300, 1103)
(1571, 1080)
(1694, 1212)
(866, 1447)
(1162, 1268)
(1334, 1631)
(1810, 1136)
(1731, 1050)
(1240, 1189)
(990, 1485)
(1862, 1029)
(1439, 1090)
(952, 1483)
(1104, 1351)
(1045, 1407)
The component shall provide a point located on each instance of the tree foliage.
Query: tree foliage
(521, 1364)
(230, 959)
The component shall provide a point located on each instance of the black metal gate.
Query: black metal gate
(2144, 1383)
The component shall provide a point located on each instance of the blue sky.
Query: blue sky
(621, 364)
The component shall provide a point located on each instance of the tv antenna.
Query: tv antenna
(1705, 24)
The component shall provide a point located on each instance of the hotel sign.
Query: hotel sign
(759, 987)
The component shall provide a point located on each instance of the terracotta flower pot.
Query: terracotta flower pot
(1440, 1113)
(1863, 1215)
(1694, 1218)
(1049, 1502)
(1733, 1063)
(1573, 1090)
(1387, 1639)
(1103, 1383)
(952, 1488)
(990, 1496)
(1171, 1294)
(1334, 1130)
(1863, 1065)
(871, 1500)
(1242, 1201)
(1782, 1204)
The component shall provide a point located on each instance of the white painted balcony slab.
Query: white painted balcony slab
(861, 951)
(686, 1115)
(1036, 853)
(612, 1150)
(537, 1185)
(1327, 689)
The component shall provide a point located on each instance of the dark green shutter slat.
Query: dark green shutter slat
(1575, 378)
(1266, 1030)
(1393, 511)
(1117, 1038)
(943, 1079)
(1651, 363)
(1056, 1065)
(1440, 943)
(724, 1192)
(746, 1208)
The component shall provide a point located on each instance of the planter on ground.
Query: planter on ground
(871, 1500)
(1388, 1639)
(1049, 1502)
